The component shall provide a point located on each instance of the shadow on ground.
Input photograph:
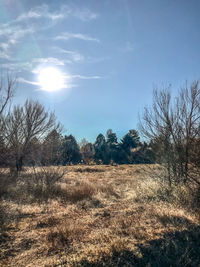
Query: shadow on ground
(174, 249)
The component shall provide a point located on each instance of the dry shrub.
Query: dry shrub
(88, 204)
(7, 179)
(74, 193)
(152, 190)
(34, 185)
(45, 177)
(41, 182)
(3, 217)
(109, 190)
(80, 192)
(187, 196)
(63, 235)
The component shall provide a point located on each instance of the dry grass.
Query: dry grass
(101, 216)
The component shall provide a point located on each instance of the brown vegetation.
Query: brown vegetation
(98, 216)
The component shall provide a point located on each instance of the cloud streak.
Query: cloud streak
(67, 36)
(68, 80)
(65, 11)
(74, 56)
(22, 80)
(48, 60)
(40, 12)
(15, 30)
(83, 77)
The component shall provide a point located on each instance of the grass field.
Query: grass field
(100, 216)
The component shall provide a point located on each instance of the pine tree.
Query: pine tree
(100, 148)
(70, 151)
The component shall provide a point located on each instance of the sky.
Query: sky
(111, 55)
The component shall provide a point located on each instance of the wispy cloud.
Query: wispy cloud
(10, 36)
(75, 56)
(69, 79)
(85, 14)
(15, 30)
(4, 53)
(22, 80)
(40, 12)
(48, 60)
(65, 11)
(17, 66)
(83, 77)
(67, 35)
(66, 85)
(34, 65)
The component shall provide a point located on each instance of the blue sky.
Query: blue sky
(113, 53)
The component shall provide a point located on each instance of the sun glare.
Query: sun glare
(51, 79)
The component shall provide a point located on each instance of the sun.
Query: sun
(51, 79)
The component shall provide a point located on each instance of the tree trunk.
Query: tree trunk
(19, 164)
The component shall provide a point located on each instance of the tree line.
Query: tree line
(56, 149)
(29, 135)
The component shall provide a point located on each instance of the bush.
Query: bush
(7, 179)
(32, 185)
(63, 235)
(41, 182)
(79, 192)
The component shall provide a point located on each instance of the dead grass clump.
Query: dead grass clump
(35, 185)
(156, 190)
(88, 204)
(6, 181)
(112, 253)
(152, 190)
(49, 222)
(88, 169)
(3, 216)
(108, 190)
(43, 177)
(80, 192)
(188, 197)
(63, 235)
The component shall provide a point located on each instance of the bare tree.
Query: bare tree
(22, 125)
(174, 126)
(7, 87)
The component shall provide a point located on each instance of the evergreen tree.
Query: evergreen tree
(112, 146)
(100, 148)
(130, 140)
(70, 151)
(128, 143)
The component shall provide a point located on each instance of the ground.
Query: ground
(102, 216)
